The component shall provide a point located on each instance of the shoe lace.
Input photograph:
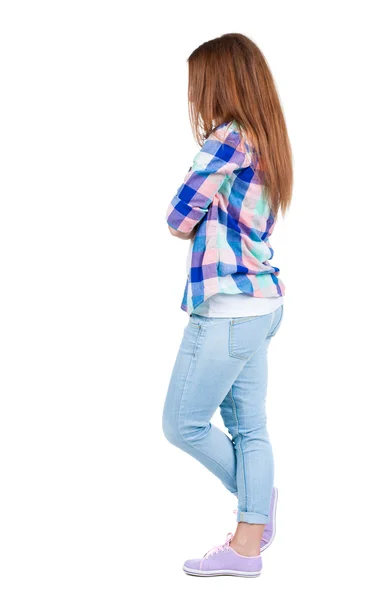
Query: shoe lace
(221, 547)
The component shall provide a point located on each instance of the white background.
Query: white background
(95, 140)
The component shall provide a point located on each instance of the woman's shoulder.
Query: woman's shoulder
(229, 133)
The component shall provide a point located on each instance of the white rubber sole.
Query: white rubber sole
(217, 573)
(274, 521)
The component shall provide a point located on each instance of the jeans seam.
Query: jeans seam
(237, 320)
(179, 409)
(240, 447)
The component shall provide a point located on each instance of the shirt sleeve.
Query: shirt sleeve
(216, 160)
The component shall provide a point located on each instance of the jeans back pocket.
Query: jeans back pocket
(246, 335)
(278, 316)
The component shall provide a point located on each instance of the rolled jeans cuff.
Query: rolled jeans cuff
(253, 518)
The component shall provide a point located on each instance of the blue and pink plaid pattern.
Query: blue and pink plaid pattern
(221, 197)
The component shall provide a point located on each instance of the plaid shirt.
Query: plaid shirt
(221, 197)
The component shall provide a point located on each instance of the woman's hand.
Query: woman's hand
(182, 236)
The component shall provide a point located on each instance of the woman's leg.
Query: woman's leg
(211, 357)
(202, 376)
(243, 412)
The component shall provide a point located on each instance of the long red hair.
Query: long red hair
(229, 79)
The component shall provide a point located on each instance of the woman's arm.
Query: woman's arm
(215, 161)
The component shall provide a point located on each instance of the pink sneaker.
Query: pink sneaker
(223, 560)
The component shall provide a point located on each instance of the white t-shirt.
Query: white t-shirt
(237, 305)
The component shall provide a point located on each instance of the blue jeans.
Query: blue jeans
(222, 362)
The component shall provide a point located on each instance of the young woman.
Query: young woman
(227, 206)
